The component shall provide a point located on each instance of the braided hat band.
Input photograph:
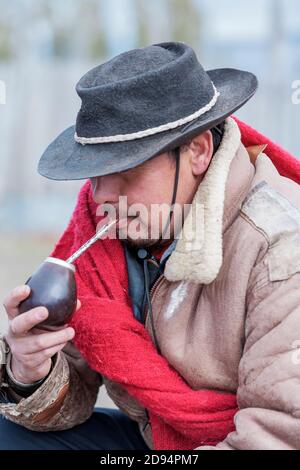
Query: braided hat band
(154, 130)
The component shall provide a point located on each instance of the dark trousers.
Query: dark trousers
(106, 429)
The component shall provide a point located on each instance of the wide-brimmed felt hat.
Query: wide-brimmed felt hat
(140, 104)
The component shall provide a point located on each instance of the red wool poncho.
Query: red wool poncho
(116, 345)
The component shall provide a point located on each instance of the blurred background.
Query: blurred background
(47, 45)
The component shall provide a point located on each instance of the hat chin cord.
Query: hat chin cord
(175, 188)
(146, 255)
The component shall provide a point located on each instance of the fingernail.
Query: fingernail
(42, 314)
(23, 290)
(71, 332)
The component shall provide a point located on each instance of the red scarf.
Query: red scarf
(117, 345)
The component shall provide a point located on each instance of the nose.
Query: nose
(106, 189)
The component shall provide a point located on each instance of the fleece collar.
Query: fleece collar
(198, 254)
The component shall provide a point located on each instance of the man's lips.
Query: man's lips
(122, 223)
(111, 224)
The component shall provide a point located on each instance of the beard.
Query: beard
(144, 243)
(145, 237)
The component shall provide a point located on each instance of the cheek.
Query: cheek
(153, 189)
(137, 191)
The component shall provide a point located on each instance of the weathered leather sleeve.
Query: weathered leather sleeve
(269, 373)
(65, 399)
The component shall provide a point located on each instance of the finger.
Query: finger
(12, 300)
(24, 322)
(37, 343)
(37, 330)
(34, 360)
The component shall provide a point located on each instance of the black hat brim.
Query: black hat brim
(65, 159)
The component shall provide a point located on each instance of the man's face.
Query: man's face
(148, 189)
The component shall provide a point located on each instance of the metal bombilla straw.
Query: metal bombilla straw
(103, 230)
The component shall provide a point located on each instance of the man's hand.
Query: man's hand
(31, 348)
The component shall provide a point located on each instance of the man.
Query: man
(224, 310)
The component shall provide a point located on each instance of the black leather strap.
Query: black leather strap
(175, 187)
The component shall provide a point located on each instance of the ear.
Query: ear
(201, 151)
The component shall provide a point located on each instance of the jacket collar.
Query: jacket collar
(198, 254)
